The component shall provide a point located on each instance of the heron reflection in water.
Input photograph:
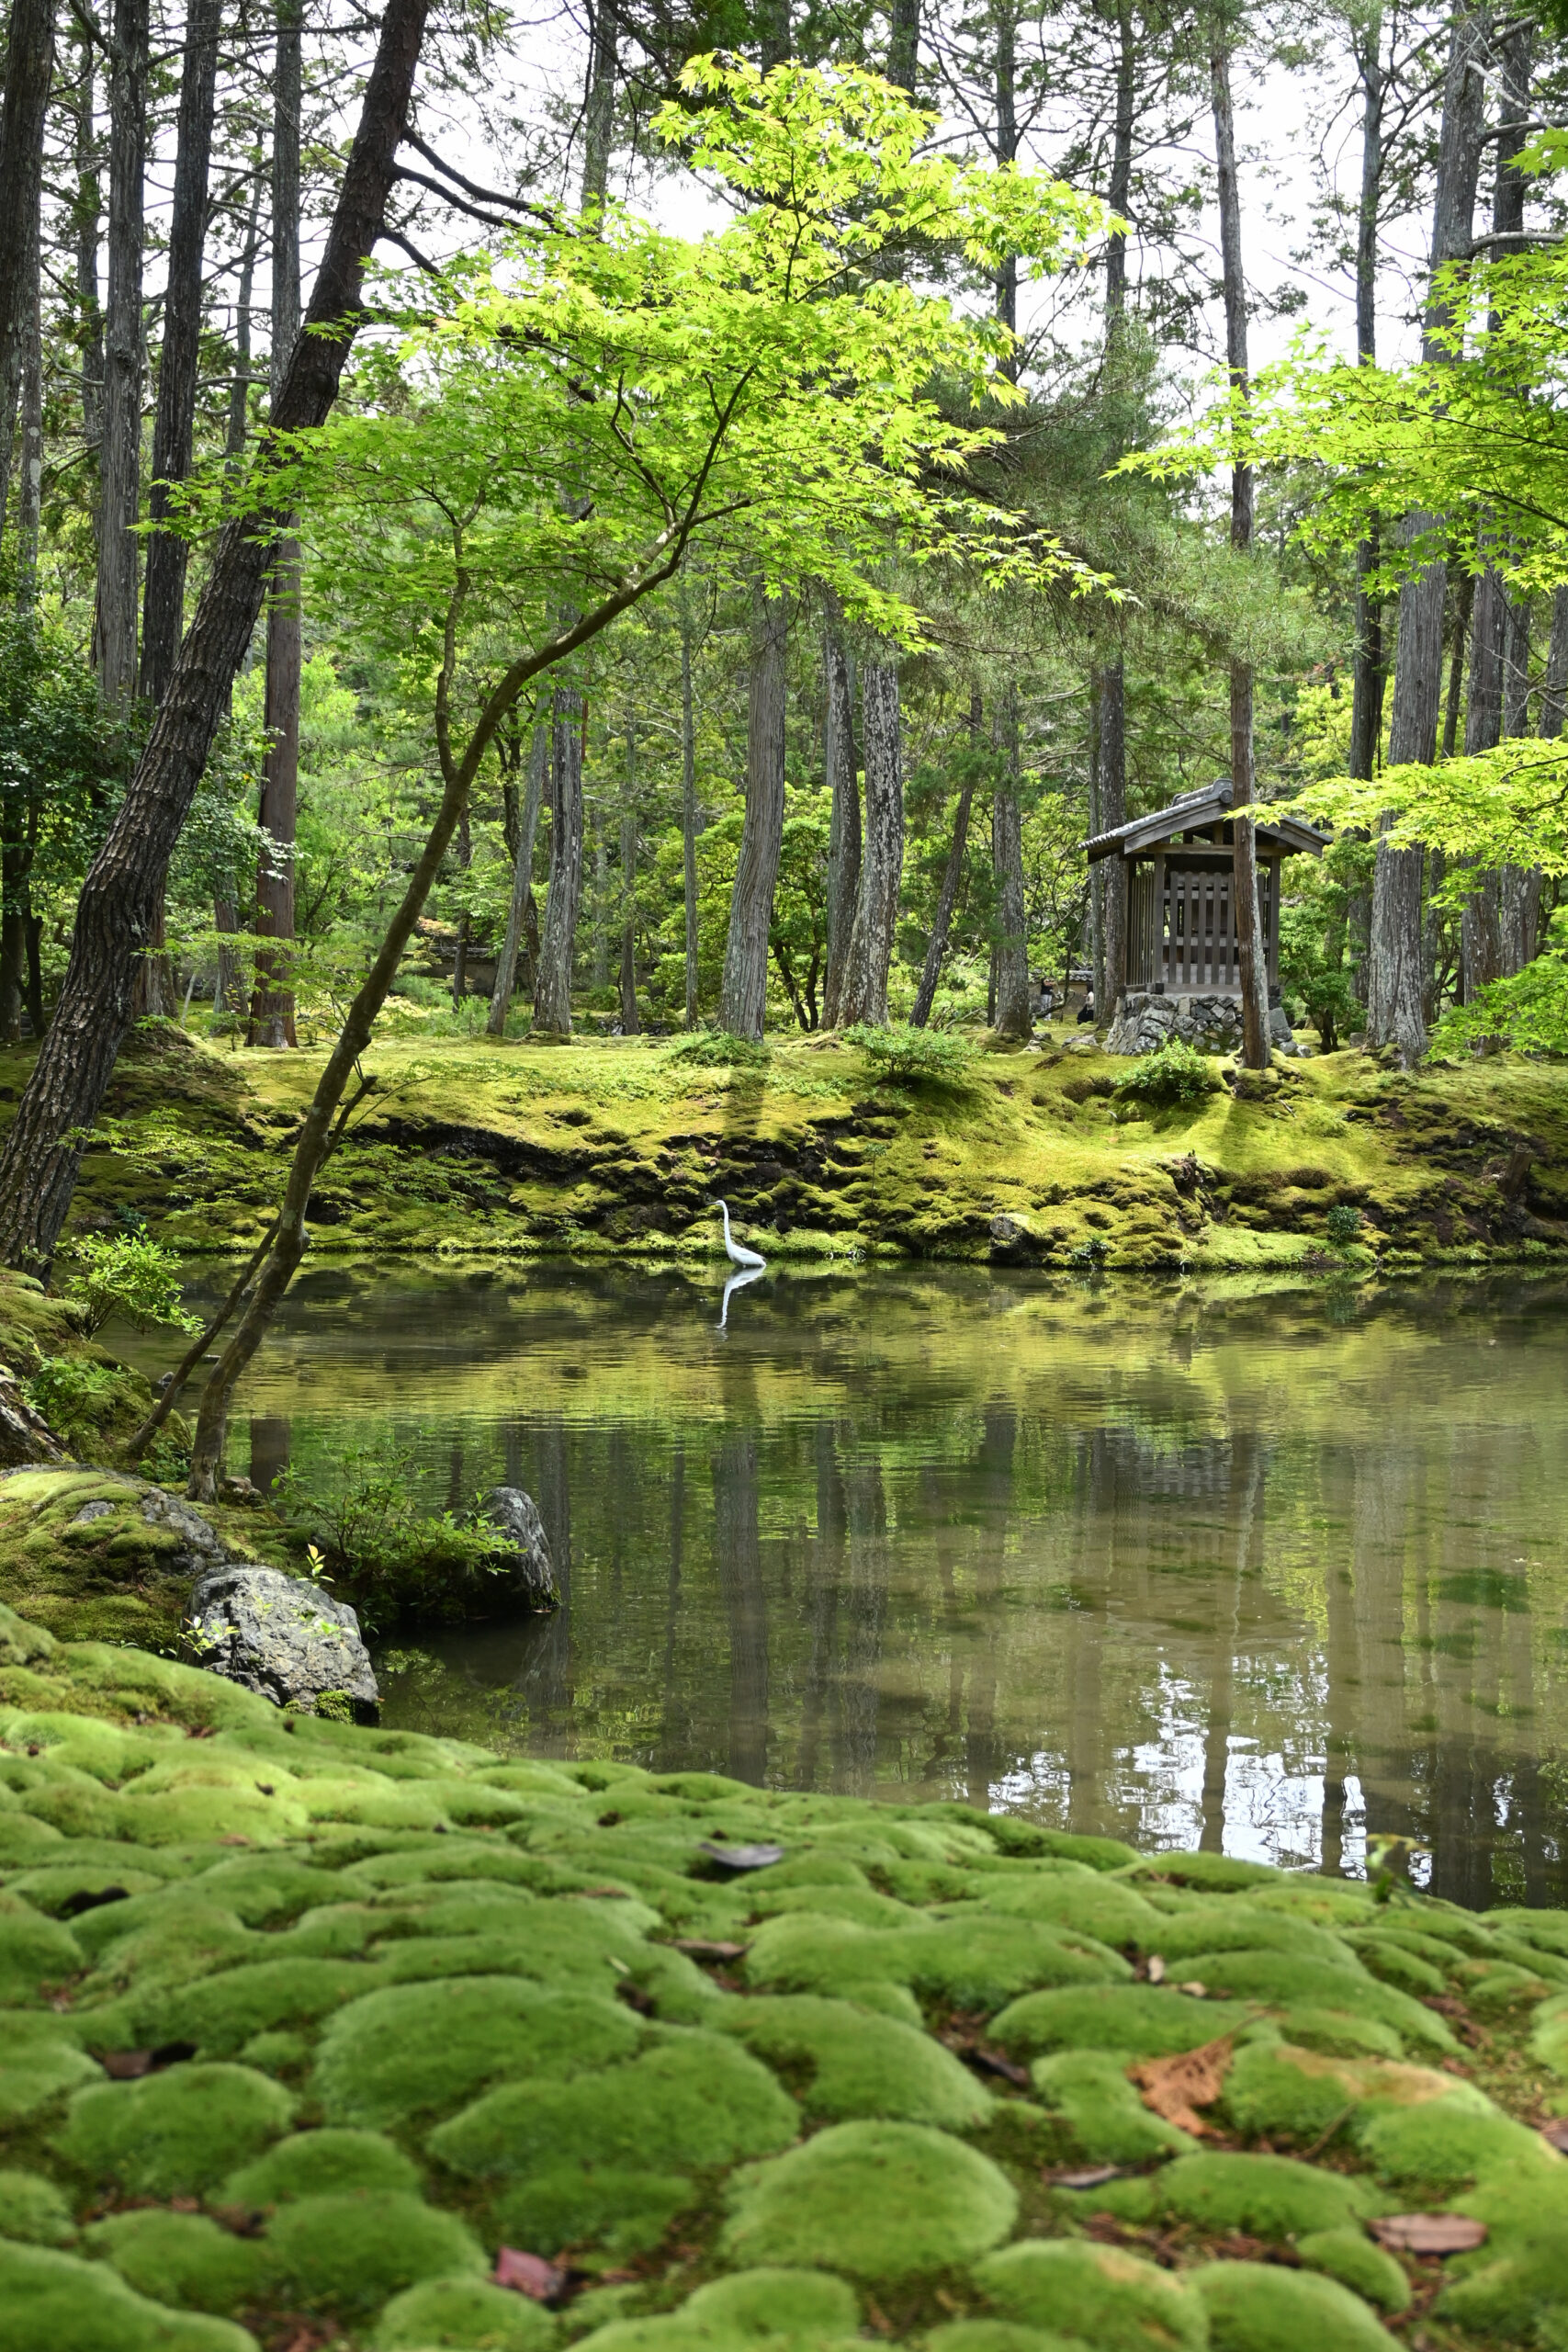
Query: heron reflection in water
(748, 1264)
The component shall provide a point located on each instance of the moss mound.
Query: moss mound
(438, 2012)
(883, 2202)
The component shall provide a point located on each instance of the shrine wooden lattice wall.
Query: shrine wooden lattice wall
(1181, 931)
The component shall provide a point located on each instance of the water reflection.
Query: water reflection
(1257, 1573)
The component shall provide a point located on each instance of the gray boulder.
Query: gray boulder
(531, 1577)
(284, 1638)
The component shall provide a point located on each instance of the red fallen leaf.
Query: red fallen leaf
(705, 1947)
(1093, 2177)
(1556, 2134)
(1428, 2233)
(529, 2274)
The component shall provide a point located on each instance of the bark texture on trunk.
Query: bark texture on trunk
(1112, 758)
(952, 874)
(521, 883)
(844, 823)
(630, 1023)
(875, 925)
(1554, 685)
(30, 67)
(30, 488)
(1010, 1015)
(743, 997)
(240, 386)
(272, 1004)
(598, 104)
(123, 887)
(1394, 955)
(120, 453)
(1244, 902)
(162, 608)
(86, 214)
(688, 808)
(1366, 713)
(558, 947)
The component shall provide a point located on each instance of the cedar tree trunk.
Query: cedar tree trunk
(744, 996)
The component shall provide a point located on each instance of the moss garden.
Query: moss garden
(311, 2032)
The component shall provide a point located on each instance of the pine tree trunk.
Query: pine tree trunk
(86, 219)
(1366, 711)
(522, 884)
(1112, 757)
(30, 66)
(240, 385)
(271, 1003)
(1394, 957)
(120, 456)
(599, 109)
(124, 885)
(1012, 1015)
(30, 488)
(875, 925)
(164, 596)
(558, 948)
(688, 808)
(744, 996)
(844, 823)
(952, 874)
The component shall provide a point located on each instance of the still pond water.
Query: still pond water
(1257, 1573)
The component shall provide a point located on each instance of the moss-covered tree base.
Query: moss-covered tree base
(301, 2024)
(1029, 1158)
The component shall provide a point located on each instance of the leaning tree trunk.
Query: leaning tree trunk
(558, 948)
(123, 886)
(844, 825)
(882, 854)
(1395, 1016)
(164, 595)
(1010, 1014)
(952, 874)
(29, 65)
(121, 458)
(271, 1003)
(1244, 904)
(744, 996)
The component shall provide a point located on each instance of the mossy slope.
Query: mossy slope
(399, 2004)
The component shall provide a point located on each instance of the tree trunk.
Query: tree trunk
(875, 925)
(227, 993)
(552, 983)
(164, 596)
(87, 212)
(1395, 958)
(1012, 1016)
(30, 490)
(522, 884)
(1112, 757)
(844, 824)
(1366, 713)
(744, 996)
(688, 806)
(952, 874)
(902, 43)
(599, 964)
(599, 107)
(30, 66)
(1554, 686)
(272, 1003)
(1459, 608)
(631, 1024)
(121, 458)
(240, 385)
(124, 885)
(465, 846)
(1244, 904)
(1481, 946)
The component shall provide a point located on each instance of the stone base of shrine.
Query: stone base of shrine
(1211, 1023)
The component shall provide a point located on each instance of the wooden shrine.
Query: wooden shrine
(1181, 939)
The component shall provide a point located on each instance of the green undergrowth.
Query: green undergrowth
(1024, 1156)
(301, 2024)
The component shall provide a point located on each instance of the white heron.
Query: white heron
(735, 1251)
(748, 1266)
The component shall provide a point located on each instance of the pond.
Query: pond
(1259, 1572)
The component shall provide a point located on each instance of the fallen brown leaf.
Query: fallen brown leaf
(1556, 2134)
(1175, 2088)
(528, 2274)
(705, 1947)
(1428, 2233)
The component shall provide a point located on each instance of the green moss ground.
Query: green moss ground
(495, 1148)
(409, 2004)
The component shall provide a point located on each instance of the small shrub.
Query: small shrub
(398, 1561)
(907, 1055)
(126, 1275)
(1176, 1073)
(1344, 1225)
(717, 1049)
(75, 1397)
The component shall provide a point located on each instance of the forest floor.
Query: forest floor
(316, 2034)
(470, 1147)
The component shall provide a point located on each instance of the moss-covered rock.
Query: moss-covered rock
(185, 2259)
(1264, 2196)
(464, 2313)
(175, 2134)
(858, 2063)
(426, 2048)
(882, 2201)
(39, 2059)
(1256, 2307)
(349, 2252)
(33, 2210)
(69, 2305)
(1108, 2122)
(793, 2310)
(1139, 2020)
(1111, 2300)
(1350, 2256)
(315, 2163)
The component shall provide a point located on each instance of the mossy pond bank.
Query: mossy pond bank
(1263, 1569)
(304, 2024)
